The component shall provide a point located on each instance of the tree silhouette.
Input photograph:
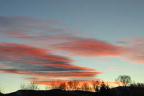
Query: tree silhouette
(125, 79)
(23, 87)
(96, 86)
(137, 85)
(70, 84)
(62, 86)
(104, 89)
(31, 86)
(85, 87)
(47, 88)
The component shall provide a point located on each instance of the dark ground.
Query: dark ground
(118, 91)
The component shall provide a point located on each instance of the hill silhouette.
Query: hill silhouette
(118, 91)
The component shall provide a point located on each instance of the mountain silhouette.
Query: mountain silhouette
(118, 91)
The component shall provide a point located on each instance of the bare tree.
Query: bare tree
(85, 87)
(23, 87)
(62, 86)
(125, 79)
(31, 86)
(96, 86)
(47, 88)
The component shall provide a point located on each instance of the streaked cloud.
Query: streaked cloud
(29, 28)
(41, 63)
(135, 50)
(36, 62)
(132, 50)
(90, 47)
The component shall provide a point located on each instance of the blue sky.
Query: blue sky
(110, 21)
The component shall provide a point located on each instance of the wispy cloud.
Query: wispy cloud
(41, 63)
(135, 50)
(26, 60)
(90, 47)
(85, 47)
(29, 28)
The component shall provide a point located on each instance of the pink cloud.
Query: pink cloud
(30, 28)
(90, 47)
(135, 51)
(36, 62)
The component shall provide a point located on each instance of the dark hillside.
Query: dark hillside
(118, 91)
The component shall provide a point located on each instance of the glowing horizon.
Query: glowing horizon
(70, 40)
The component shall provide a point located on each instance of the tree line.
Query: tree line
(96, 85)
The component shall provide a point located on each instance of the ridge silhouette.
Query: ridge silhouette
(118, 91)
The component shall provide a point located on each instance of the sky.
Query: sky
(45, 40)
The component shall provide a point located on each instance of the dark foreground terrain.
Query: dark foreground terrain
(119, 91)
